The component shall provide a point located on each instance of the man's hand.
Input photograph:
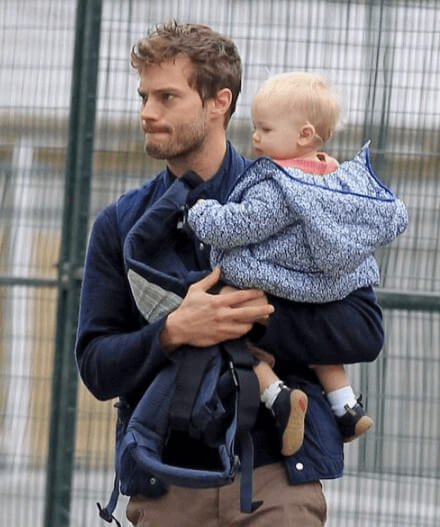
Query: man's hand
(203, 319)
(259, 301)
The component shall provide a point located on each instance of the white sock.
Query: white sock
(339, 398)
(270, 394)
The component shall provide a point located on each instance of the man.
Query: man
(189, 81)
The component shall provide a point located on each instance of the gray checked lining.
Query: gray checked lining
(152, 300)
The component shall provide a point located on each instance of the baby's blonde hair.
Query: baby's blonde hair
(306, 93)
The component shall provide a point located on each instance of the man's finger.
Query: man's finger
(251, 313)
(208, 281)
(240, 296)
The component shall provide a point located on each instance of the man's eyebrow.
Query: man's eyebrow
(162, 89)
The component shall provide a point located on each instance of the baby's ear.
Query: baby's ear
(307, 135)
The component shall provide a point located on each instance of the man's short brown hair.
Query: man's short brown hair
(215, 58)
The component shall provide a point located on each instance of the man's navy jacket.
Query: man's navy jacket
(118, 350)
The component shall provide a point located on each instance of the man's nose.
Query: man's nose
(149, 111)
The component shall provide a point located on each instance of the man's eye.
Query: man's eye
(168, 96)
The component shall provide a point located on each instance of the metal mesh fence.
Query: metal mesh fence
(382, 57)
(36, 48)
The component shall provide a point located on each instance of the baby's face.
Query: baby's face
(275, 130)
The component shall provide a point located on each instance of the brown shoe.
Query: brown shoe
(289, 410)
(354, 422)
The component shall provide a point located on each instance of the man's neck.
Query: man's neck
(205, 161)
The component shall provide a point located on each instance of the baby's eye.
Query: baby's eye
(266, 130)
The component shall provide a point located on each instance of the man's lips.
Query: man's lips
(156, 130)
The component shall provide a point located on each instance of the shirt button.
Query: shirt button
(153, 481)
(201, 246)
(299, 466)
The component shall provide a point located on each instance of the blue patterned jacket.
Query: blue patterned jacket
(300, 236)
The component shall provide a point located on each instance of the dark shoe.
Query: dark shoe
(289, 410)
(354, 422)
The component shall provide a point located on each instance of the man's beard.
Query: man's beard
(188, 137)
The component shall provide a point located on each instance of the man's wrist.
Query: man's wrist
(170, 336)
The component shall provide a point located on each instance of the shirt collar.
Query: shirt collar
(220, 184)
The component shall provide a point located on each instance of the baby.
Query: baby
(301, 227)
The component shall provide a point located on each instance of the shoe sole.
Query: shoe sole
(364, 424)
(293, 435)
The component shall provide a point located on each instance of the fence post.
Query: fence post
(78, 177)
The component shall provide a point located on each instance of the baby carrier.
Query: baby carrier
(206, 397)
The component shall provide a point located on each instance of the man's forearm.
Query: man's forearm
(343, 332)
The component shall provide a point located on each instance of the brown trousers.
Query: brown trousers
(284, 505)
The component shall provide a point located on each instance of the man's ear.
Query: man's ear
(307, 135)
(221, 102)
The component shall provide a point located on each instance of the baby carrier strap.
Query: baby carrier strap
(192, 367)
(241, 363)
(189, 377)
(238, 378)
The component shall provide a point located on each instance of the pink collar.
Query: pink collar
(323, 165)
